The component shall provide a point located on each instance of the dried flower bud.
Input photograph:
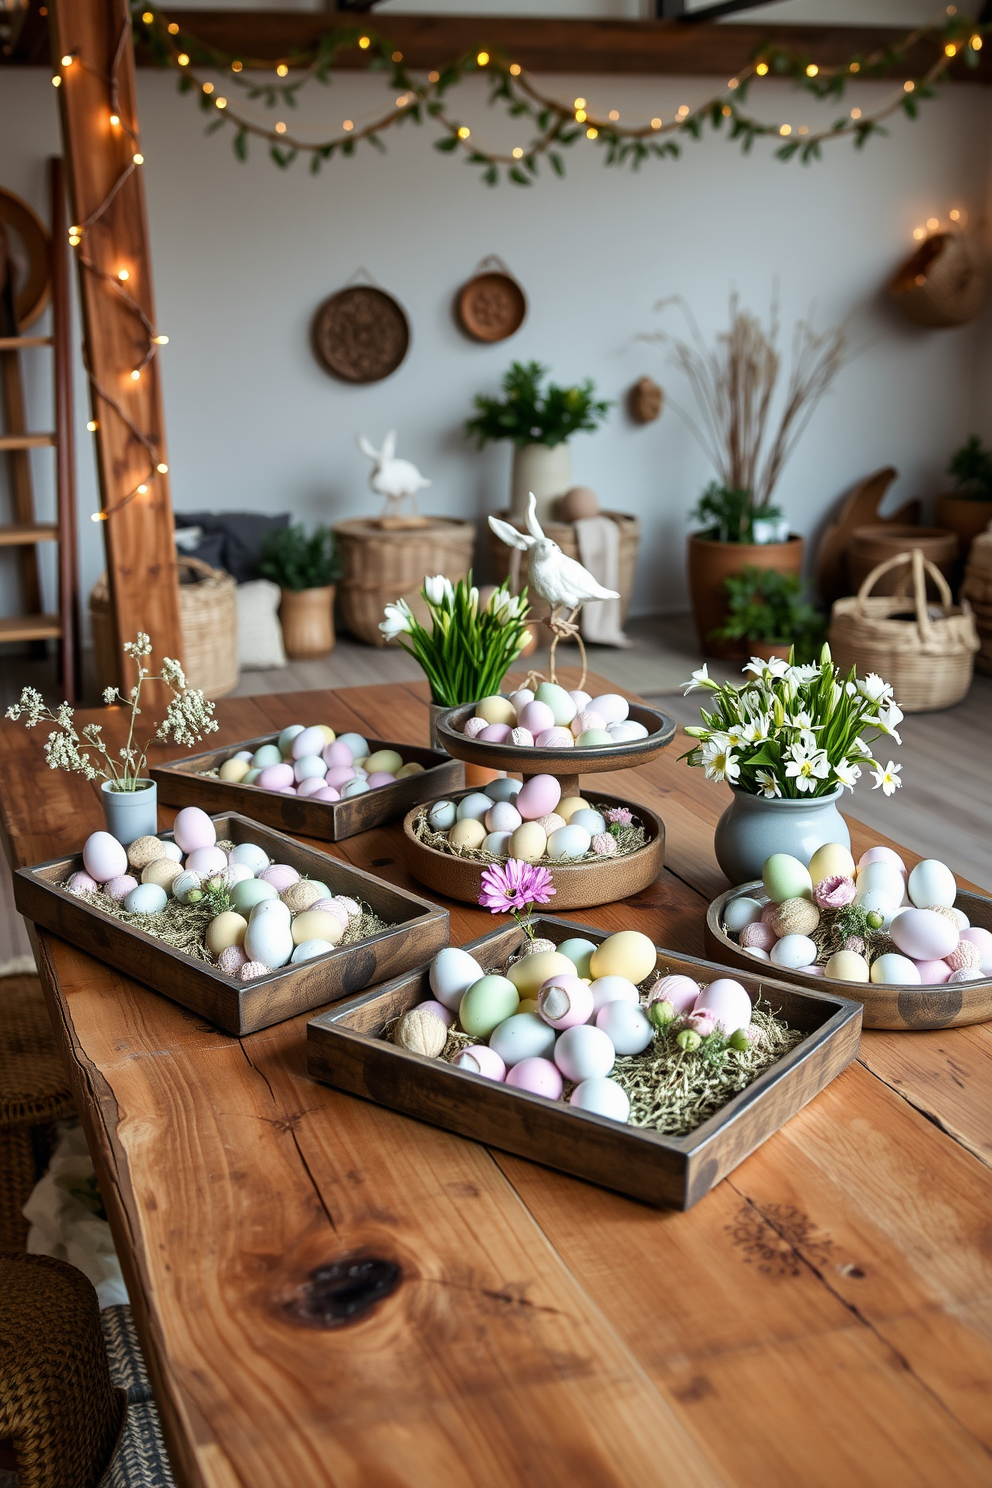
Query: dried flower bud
(855, 943)
(421, 1032)
(740, 1040)
(834, 892)
(688, 1040)
(702, 1023)
(661, 1014)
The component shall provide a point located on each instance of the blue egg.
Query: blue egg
(569, 842)
(359, 747)
(354, 788)
(287, 736)
(147, 898)
(268, 754)
(442, 816)
(307, 949)
(503, 789)
(579, 951)
(588, 818)
(474, 807)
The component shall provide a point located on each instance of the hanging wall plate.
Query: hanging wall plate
(491, 306)
(360, 334)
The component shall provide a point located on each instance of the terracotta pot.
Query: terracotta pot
(711, 562)
(307, 619)
(964, 518)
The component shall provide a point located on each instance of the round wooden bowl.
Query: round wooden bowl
(577, 885)
(886, 1005)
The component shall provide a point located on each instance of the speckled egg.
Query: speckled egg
(625, 1025)
(793, 951)
(441, 817)
(163, 872)
(227, 929)
(569, 842)
(601, 1097)
(486, 1004)
(304, 894)
(481, 1059)
(253, 856)
(275, 777)
(564, 1001)
(832, 860)
(629, 954)
(931, 883)
(965, 974)
(144, 850)
(785, 877)
(317, 924)
(847, 966)
(923, 935)
(727, 1001)
(146, 899)
(467, 835)
(558, 701)
(578, 951)
(231, 960)
(452, 972)
(893, 968)
(539, 795)
(245, 895)
(530, 973)
(193, 828)
(308, 949)
(502, 816)
(538, 1076)
(522, 1036)
(474, 727)
(117, 888)
(740, 912)
(268, 939)
(758, 936)
(103, 857)
(585, 1053)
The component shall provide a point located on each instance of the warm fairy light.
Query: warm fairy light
(364, 42)
(976, 43)
(75, 237)
(221, 102)
(592, 133)
(761, 69)
(123, 275)
(483, 59)
(919, 233)
(950, 50)
(138, 159)
(403, 100)
(136, 375)
(161, 340)
(812, 70)
(933, 223)
(734, 83)
(433, 77)
(518, 154)
(804, 129)
(115, 119)
(147, 17)
(92, 426)
(855, 113)
(68, 60)
(785, 129)
(908, 86)
(208, 88)
(280, 128)
(614, 116)
(162, 468)
(397, 56)
(173, 28)
(514, 69)
(954, 215)
(580, 116)
(98, 517)
(726, 111)
(655, 123)
(855, 67)
(142, 490)
(920, 279)
(56, 82)
(683, 110)
(348, 124)
(580, 103)
(464, 132)
(183, 59)
(282, 70)
(237, 66)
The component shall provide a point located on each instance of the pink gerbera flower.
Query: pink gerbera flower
(511, 887)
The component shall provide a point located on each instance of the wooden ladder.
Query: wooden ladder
(24, 533)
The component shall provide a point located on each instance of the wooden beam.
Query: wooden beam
(139, 537)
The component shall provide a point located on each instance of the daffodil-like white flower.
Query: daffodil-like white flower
(806, 767)
(807, 672)
(874, 689)
(398, 621)
(438, 590)
(889, 718)
(719, 762)
(847, 773)
(700, 678)
(887, 777)
(770, 787)
(777, 667)
(860, 747)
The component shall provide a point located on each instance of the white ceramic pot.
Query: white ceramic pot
(545, 470)
(131, 814)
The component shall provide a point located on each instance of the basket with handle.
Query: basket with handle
(927, 658)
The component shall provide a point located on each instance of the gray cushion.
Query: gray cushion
(242, 534)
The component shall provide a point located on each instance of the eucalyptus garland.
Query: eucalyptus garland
(555, 125)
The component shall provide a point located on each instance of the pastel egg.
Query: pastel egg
(119, 888)
(103, 857)
(327, 731)
(452, 972)
(495, 709)
(537, 717)
(558, 700)
(593, 739)
(438, 1009)
(358, 746)
(615, 989)
(983, 940)
(337, 753)
(288, 735)
(146, 899)
(580, 699)
(473, 807)
(601, 1097)
(332, 906)
(193, 828)
(163, 872)
(522, 1036)
(253, 856)
(965, 974)
(503, 788)
(578, 951)
(625, 1025)
(564, 1001)
(727, 1001)
(740, 912)
(923, 934)
(537, 1076)
(883, 878)
(522, 737)
(266, 754)
(495, 733)
(481, 1059)
(384, 760)
(757, 953)
(758, 936)
(587, 719)
(307, 766)
(231, 960)
(785, 877)
(252, 777)
(630, 954)
(467, 835)
(442, 816)
(308, 741)
(611, 707)
(243, 754)
(172, 850)
(832, 860)
(520, 697)
(502, 816)
(379, 778)
(338, 776)
(892, 968)
(555, 738)
(530, 973)
(308, 949)
(627, 732)
(847, 966)
(234, 771)
(354, 788)
(275, 777)
(310, 787)
(529, 842)
(486, 1004)
(879, 901)
(591, 820)
(326, 793)
(245, 896)
(225, 930)
(317, 924)
(188, 887)
(497, 843)
(569, 842)
(474, 727)
(566, 809)
(933, 973)
(881, 855)
(206, 860)
(931, 883)
(793, 951)
(539, 795)
(268, 939)
(584, 1053)
(680, 990)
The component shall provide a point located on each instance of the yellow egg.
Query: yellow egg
(383, 759)
(527, 1005)
(530, 973)
(411, 769)
(831, 861)
(467, 834)
(529, 842)
(327, 732)
(317, 924)
(570, 806)
(628, 954)
(227, 929)
(847, 966)
(234, 770)
(162, 872)
(496, 710)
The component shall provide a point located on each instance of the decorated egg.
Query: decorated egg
(728, 1003)
(538, 1076)
(522, 737)
(627, 732)
(569, 842)
(304, 894)
(119, 888)
(308, 949)
(578, 951)
(923, 934)
(539, 795)
(438, 1009)
(474, 727)
(629, 954)
(847, 966)
(148, 899)
(611, 707)
(452, 972)
(785, 877)
(481, 1059)
(193, 828)
(958, 916)
(537, 717)
(625, 1026)
(253, 857)
(893, 968)
(225, 930)
(275, 777)
(497, 843)
(245, 895)
(309, 741)
(530, 973)
(740, 912)
(832, 860)
(757, 935)
(280, 875)
(522, 1036)
(567, 808)
(793, 951)
(287, 736)
(881, 855)
(587, 719)
(680, 990)
(593, 739)
(558, 700)
(983, 940)
(502, 816)
(234, 771)
(564, 1001)
(266, 754)
(103, 857)
(584, 1053)
(486, 1004)
(555, 738)
(467, 835)
(317, 924)
(503, 788)
(601, 1097)
(442, 816)
(268, 939)
(163, 872)
(932, 883)
(354, 788)
(231, 960)
(187, 887)
(473, 807)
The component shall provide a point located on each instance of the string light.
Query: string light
(726, 111)
(136, 375)
(364, 43)
(183, 59)
(580, 116)
(282, 70)
(208, 88)
(56, 81)
(580, 103)
(954, 215)
(280, 128)
(115, 119)
(804, 129)
(812, 70)
(855, 113)
(161, 340)
(138, 159)
(75, 237)
(237, 66)
(920, 279)
(397, 56)
(162, 468)
(433, 77)
(348, 124)
(221, 103)
(933, 223)
(976, 43)
(92, 426)
(908, 85)
(173, 28)
(483, 59)
(785, 129)
(123, 275)
(147, 17)
(683, 110)
(614, 116)
(855, 67)
(734, 83)
(68, 60)
(514, 69)
(761, 69)
(950, 50)
(919, 233)
(464, 132)
(592, 133)
(142, 490)
(518, 154)
(655, 123)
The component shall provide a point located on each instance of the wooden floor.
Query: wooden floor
(944, 809)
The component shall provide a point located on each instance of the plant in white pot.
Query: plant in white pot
(540, 426)
(130, 799)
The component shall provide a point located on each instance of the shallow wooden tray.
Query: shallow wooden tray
(885, 1005)
(577, 885)
(181, 782)
(420, 929)
(345, 1050)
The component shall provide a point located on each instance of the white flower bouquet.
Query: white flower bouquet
(793, 731)
(470, 646)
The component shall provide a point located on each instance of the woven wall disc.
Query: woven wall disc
(360, 334)
(27, 235)
(491, 306)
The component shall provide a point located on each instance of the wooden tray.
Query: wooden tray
(886, 1005)
(344, 1050)
(420, 929)
(577, 885)
(181, 782)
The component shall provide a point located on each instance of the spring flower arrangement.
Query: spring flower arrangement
(514, 888)
(188, 717)
(795, 730)
(470, 646)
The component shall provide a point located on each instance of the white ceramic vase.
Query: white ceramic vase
(544, 469)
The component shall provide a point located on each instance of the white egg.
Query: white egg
(522, 1036)
(960, 918)
(625, 1026)
(740, 912)
(602, 1097)
(452, 972)
(147, 898)
(268, 939)
(611, 707)
(569, 842)
(728, 1002)
(612, 989)
(252, 856)
(584, 1053)
(502, 816)
(879, 901)
(271, 907)
(307, 949)
(794, 951)
(172, 850)
(893, 968)
(626, 732)
(756, 952)
(883, 878)
(932, 884)
(103, 857)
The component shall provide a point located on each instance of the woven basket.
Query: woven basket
(927, 660)
(977, 590)
(383, 564)
(208, 613)
(871, 546)
(505, 559)
(945, 282)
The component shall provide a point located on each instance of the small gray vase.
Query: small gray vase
(753, 827)
(131, 814)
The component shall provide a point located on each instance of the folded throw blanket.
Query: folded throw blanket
(599, 552)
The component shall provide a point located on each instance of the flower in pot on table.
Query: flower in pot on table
(471, 644)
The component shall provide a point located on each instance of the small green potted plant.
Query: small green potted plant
(767, 611)
(540, 425)
(305, 569)
(968, 511)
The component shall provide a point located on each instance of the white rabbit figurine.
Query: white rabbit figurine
(394, 479)
(562, 581)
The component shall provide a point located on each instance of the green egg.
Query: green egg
(486, 1004)
(557, 700)
(266, 754)
(249, 892)
(579, 951)
(785, 877)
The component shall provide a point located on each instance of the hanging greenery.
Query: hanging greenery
(555, 124)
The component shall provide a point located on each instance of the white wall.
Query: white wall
(243, 254)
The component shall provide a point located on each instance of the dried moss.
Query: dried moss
(628, 839)
(836, 925)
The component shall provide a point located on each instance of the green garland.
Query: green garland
(556, 125)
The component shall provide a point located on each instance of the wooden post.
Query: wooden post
(94, 37)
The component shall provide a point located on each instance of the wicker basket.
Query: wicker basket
(871, 546)
(945, 282)
(208, 612)
(507, 560)
(927, 660)
(383, 564)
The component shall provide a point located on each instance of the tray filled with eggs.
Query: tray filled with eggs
(599, 1054)
(909, 944)
(311, 780)
(597, 848)
(231, 919)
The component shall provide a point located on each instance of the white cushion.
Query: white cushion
(259, 632)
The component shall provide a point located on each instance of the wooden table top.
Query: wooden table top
(823, 1317)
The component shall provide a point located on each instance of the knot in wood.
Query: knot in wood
(343, 1291)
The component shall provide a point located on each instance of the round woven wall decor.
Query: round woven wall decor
(360, 334)
(27, 228)
(491, 306)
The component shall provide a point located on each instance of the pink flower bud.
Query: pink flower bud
(835, 892)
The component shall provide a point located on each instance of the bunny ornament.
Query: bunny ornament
(396, 480)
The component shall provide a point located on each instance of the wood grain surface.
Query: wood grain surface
(822, 1317)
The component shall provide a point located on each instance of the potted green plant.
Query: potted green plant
(736, 389)
(539, 425)
(767, 611)
(305, 569)
(969, 510)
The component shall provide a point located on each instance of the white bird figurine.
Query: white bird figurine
(561, 580)
(394, 479)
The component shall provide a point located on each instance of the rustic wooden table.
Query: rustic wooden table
(824, 1317)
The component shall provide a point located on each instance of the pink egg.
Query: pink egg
(537, 797)
(206, 860)
(308, 787)
(381, 777)
(494, 733)
(681, 991)
(522, 737)
(81, 883)
(119, 888)
(339, 775)
(326, 793)
(275, 777)
(587, 719)
(473, 727)
(437, 1008)
(478, 1059)
(193, 828)
(337, 753)
(231, 960)
(727, 1001)
(983, 940)
(933, 973)
(537, 717)
(812, 970)
(564, 1001)
(555, 738)
(280, 876)
(539, 1076)
(882, 855)
(103, 856)
(923, 935)
(758, 936)
(964, 955)
(334, 907)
